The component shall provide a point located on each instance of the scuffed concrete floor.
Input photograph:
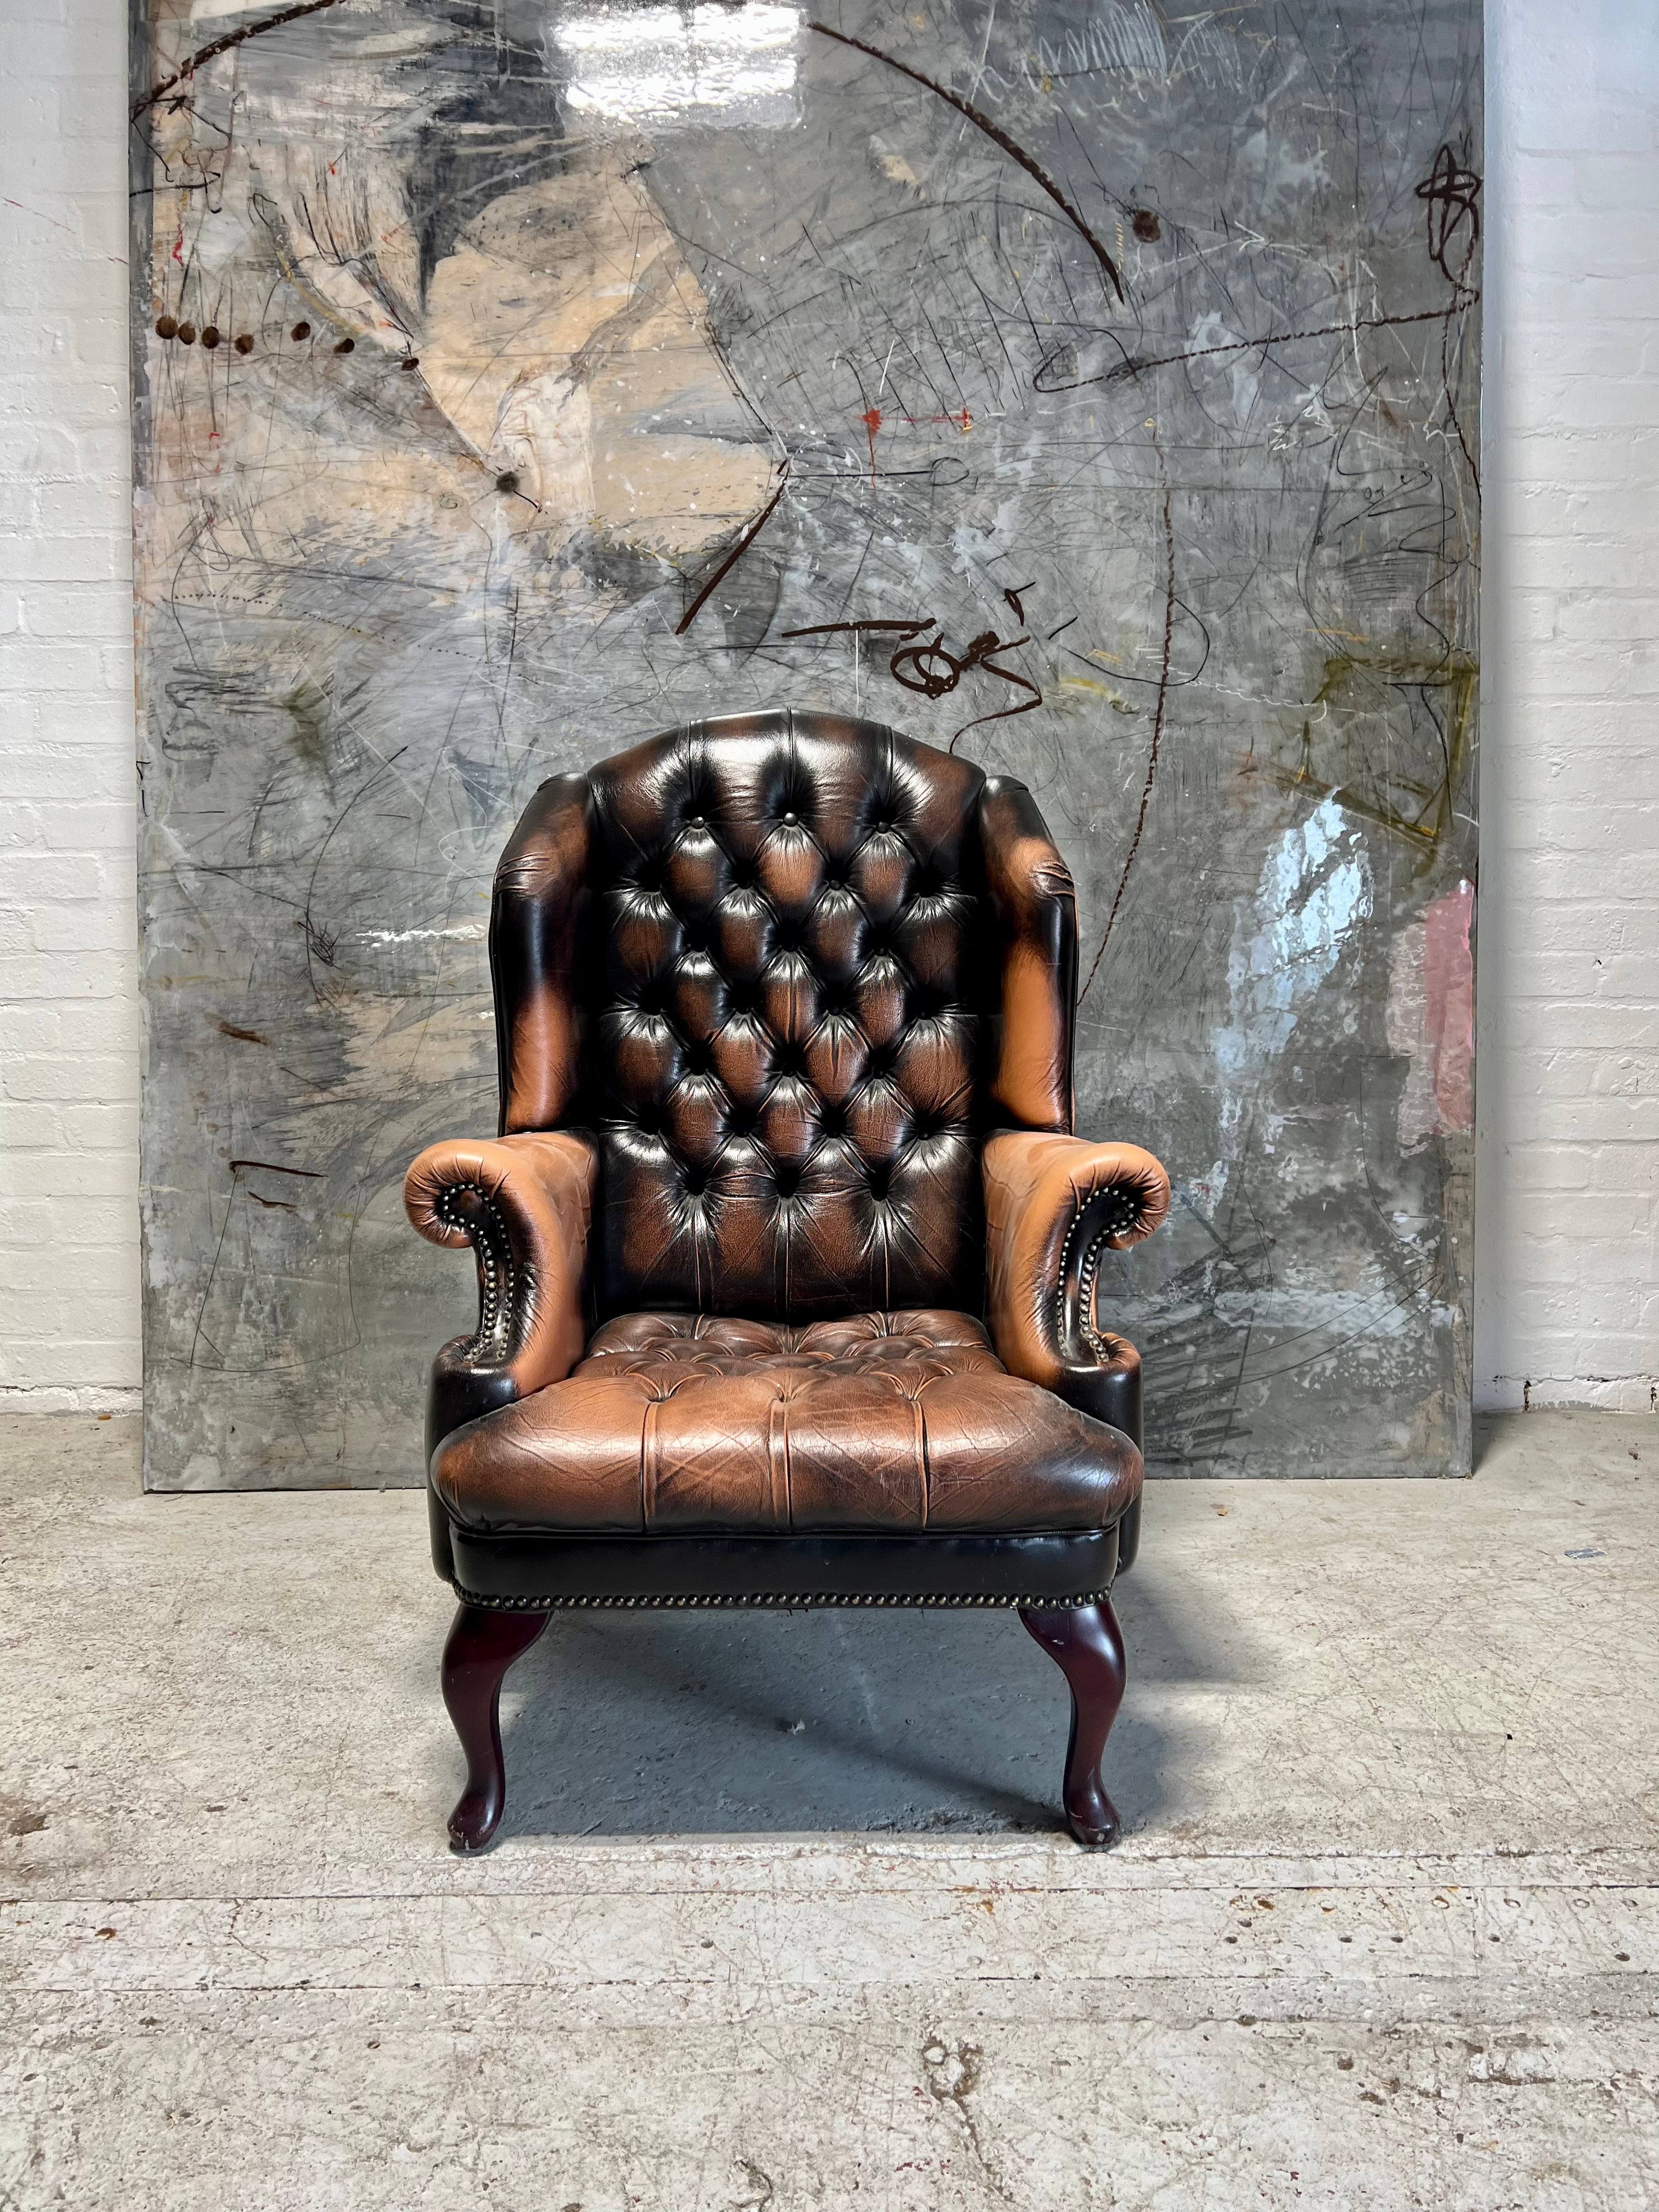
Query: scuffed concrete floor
(781, 1917)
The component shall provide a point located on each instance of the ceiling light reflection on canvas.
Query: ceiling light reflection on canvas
(658, 66)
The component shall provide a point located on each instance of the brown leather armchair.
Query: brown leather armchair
(785, 1251)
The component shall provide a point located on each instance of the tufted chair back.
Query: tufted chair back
(791, 970)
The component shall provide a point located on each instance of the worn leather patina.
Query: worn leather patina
(694, 1424)
(786, 1241)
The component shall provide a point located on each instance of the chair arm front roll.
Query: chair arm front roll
(524, 1204)
(1053, 1204)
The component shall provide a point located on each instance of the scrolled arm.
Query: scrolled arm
(1053, 1205)
(524, 1204)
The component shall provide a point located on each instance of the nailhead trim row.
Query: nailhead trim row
(495, 1285)
(770, 1598)
(1127, 1213)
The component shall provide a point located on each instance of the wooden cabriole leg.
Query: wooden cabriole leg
(1086, 1644)
(483, 1644)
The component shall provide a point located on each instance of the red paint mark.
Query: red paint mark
(872, 422)
(52, 220)
(1449, 1007)
(55, 225)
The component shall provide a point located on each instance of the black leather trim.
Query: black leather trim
(1113, 1395)
(439, 1526)
(1047, 1571)
(1128, 1536)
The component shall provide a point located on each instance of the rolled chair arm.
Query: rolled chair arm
(524, 1204)
(1053, 1205)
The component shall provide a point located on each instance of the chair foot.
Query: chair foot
(1086, 1644)
(483, 1644)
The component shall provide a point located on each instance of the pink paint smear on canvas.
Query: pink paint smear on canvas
(1449, 1007)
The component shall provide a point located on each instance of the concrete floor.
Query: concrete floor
(782, 1915)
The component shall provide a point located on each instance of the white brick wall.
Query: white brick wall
(1568, 1170)
(69, 1013)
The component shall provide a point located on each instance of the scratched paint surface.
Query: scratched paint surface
(1093, 391)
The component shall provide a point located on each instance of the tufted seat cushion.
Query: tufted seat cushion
(686, 1425)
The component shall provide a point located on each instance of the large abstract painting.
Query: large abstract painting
(1093, 389)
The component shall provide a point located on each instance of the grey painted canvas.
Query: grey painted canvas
(1093, 390)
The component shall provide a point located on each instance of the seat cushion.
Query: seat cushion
(901, 1424)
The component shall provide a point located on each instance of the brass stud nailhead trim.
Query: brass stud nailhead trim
(495, 1284)
(1127, 1215)
(771, 1598)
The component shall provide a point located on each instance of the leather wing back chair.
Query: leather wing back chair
(785, 1249)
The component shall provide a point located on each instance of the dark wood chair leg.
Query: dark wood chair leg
(483, 1644)
(1086, 1644)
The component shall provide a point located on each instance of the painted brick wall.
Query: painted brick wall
(1567, 1166)
(69, 1012)
(1568, 1172)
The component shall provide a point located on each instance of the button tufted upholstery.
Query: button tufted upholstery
(774, 1006)
(773, 993)
(789, 1024)
(786, 1254)
(694, 1424)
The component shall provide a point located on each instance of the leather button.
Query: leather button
(741, 976)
